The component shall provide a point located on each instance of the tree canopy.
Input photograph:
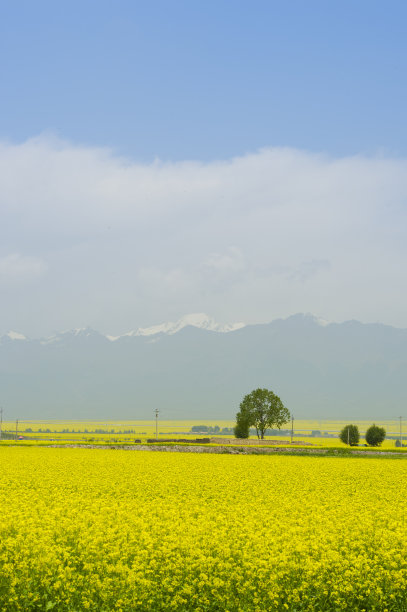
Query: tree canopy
(350, 435)
(375, 435)
(262, 409)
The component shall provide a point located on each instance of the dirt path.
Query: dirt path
(231, 450)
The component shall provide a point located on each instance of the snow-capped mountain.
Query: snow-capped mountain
(11, 336)
(15, 336)
(192, 368)
(69, 334)
(199, 320)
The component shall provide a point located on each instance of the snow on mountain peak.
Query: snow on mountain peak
(200, 320)
(69, 333)
(13, 335)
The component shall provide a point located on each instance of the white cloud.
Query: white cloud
(172, 280)
(308, 269)
(230, 261)
(19, 269)
(254, 237)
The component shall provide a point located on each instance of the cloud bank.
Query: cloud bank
(90, 238)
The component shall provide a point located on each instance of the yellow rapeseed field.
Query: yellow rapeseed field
(120, 530)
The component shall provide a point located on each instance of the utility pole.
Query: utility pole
(401, 437)
(16, 428)
(156, 423)
(1, 422)
(292, 428)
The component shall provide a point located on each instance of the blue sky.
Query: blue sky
(206, 80)
(244, 159)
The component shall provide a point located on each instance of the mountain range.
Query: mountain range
(197, 369)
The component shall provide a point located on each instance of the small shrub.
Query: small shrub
(241, 429)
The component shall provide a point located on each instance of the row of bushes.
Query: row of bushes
(374, 436)
(211, 430)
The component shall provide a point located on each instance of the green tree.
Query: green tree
(350, 435)
(262, 409)
(375, 435)
(241, 429)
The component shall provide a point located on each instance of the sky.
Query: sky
(247, 160)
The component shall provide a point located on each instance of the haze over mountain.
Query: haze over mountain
(197, 369)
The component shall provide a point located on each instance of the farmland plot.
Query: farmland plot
(114, 530)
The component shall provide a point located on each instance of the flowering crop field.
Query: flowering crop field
(120, 530)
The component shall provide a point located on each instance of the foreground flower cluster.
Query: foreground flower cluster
(114, 530)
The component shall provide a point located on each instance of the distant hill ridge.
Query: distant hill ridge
(196, 368)
(199, 320)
